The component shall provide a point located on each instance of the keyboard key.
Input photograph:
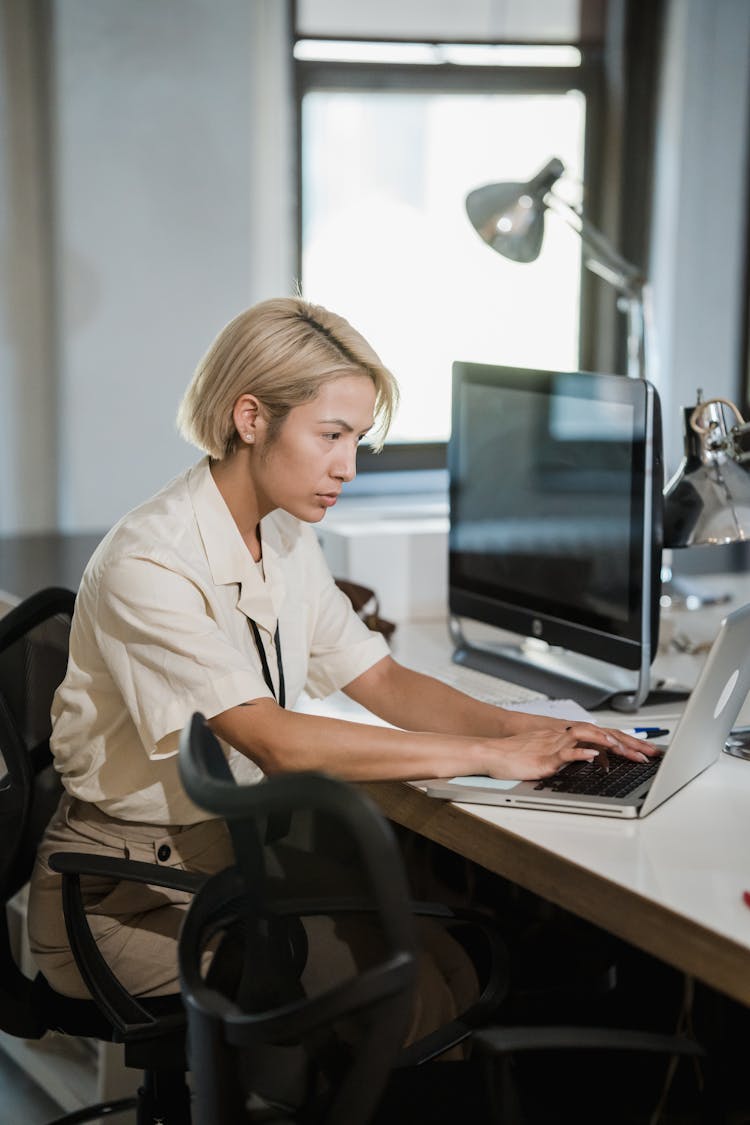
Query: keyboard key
(586, 777)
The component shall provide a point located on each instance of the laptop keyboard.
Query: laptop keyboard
(622, 778)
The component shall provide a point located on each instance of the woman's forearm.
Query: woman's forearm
(280, 740)
(417, 702)
(414, 701)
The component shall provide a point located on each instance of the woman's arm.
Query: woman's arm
(418, 702)
(279, 740)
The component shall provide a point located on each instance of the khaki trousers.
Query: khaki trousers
(136, 927)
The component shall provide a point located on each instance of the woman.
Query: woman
(214, 596)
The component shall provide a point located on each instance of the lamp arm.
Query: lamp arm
(603, 259)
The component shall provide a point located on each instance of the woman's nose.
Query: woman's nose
(346, 468)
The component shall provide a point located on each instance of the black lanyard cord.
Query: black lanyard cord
(278, 823)
(281, 697)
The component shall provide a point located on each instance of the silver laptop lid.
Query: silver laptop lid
(697, 742)
(710, 712)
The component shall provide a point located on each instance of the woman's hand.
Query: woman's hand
(626, 745)
(540, 753)
(537, 753)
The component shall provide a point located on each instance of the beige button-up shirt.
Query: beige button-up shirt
(161, 629)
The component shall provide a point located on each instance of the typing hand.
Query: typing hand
(541, 753)
(618, 742)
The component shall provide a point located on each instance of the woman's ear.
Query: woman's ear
(246, 414)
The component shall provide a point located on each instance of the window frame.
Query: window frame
(589, 78)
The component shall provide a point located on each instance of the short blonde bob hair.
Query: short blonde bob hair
(282, 351)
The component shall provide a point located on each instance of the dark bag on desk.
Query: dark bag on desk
(366, 606)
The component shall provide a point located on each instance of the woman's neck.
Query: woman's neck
(234, 481)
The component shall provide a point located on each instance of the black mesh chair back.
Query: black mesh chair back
(275, 1042)
(33, 659)
(34, 642)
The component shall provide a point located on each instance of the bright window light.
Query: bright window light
(501, 54)
(332, 50)
(428, 54)
(387, 243)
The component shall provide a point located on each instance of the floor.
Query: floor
(21, 1099)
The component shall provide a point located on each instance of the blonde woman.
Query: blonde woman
(214, 596)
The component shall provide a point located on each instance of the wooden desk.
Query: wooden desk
(671, 884)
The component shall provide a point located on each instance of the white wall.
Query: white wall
(171, 187)
(172, 208)
(28, 389)
(701, 207)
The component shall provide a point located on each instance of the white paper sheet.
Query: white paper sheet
(555, 709)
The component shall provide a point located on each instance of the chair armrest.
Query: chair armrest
(134, 871)
(130, 1018)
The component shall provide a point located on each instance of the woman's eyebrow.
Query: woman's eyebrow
(336, 422)
(349, 429)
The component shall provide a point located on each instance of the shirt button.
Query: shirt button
(164, 853)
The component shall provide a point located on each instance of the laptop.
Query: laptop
(633, 789)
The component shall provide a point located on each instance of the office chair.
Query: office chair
(336, 1041)
(33, 658)
(269, 1024)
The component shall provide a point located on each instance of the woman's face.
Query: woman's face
(315, 452)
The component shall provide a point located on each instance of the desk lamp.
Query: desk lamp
(708, 499)
(510, 219)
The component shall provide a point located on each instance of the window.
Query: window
(393, 136)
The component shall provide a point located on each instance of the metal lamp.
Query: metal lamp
(510, 219)
(708, 499)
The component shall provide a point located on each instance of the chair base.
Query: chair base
(164, 1097)
(94, 1112)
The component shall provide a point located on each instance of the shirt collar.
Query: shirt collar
(228, 557)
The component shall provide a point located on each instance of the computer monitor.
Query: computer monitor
(555, 529)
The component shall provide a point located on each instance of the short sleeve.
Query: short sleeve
(342, 646)
(165, 653)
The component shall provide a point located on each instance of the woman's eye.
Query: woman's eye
(331, 437)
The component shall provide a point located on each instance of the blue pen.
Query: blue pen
(647, 732)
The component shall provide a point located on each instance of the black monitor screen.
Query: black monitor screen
(553, 497)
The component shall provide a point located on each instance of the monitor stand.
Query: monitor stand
(554, 672)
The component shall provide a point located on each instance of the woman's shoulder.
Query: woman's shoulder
(161, 529)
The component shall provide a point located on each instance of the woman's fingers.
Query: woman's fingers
(616, 740)
(636, 745)
(542, 753)
(556, 752)
(537, 754)
(589, 732)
